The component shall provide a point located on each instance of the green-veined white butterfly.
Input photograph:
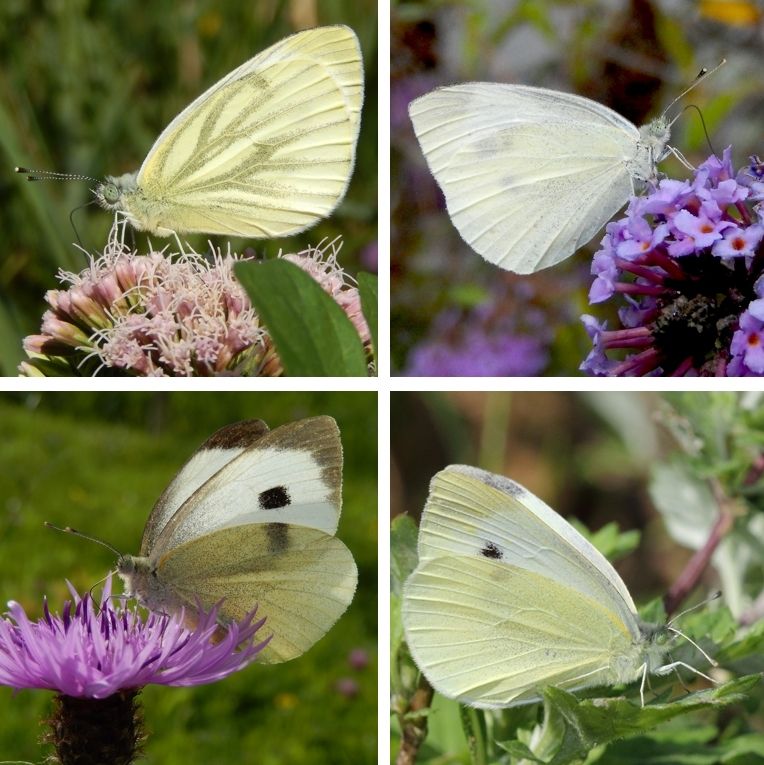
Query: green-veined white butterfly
(267, 151)
(251, 518)
(509, 598)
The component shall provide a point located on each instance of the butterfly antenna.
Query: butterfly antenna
(49, 175)
(70, 530)
(702, 75)
(702, 603)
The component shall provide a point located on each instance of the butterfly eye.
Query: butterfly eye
(274, 498)
(109, 192)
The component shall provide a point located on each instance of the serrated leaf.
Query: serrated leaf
(595, 722)
(312, 334)
(367, 287)
(518, 751)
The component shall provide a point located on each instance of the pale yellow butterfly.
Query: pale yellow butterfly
(267, 151)
(508, 598)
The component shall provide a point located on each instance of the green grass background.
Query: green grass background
(97, 462)
(87, 88)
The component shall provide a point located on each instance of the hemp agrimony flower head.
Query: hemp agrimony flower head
(98, 657)
(686, 264)
(159, 314)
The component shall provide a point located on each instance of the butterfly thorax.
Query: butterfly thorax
(123, 194)
(142, 583)
(651, 149)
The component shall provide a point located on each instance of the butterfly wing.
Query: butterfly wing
(268, 151)
(481, 515)
(300, 579)
(244, 474)
(529, 174)
(491, 634)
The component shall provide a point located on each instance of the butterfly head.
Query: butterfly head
(110, 193)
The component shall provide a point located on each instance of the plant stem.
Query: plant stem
(689, 578)
(414, 730)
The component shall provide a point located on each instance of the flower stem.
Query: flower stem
(414, 729)
(694, 569)
(96, 731)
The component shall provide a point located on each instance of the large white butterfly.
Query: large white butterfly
(530, 174)
(509, 598)
(265, 152)
(251, 518)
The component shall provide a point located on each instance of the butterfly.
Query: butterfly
(508, 598)
(267, 151)
(250, 519)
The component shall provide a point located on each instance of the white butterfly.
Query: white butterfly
(509, 598)
(530, 174)
(265, 152)
(251, 518)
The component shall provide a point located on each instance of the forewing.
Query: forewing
(492, 635)
(269, 149)
(479, 514)
(300, 579)
(293, 474)
(529, 175)
(219, 449)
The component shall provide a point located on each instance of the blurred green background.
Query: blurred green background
(635, 56)
(98, 462)
(87, 88)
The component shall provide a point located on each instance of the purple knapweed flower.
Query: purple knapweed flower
(99, 657)
(94, 651)
(685, 266)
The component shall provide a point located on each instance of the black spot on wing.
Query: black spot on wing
(274, 498)
(278, 537)
(490, 550)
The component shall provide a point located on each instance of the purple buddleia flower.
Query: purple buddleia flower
(685, 267)
(487, 341)
(98, 657)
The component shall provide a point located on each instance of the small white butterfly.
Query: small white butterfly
(530, 174)
(251, 518)
(508, 598)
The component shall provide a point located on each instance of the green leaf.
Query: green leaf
(403, 556)
(473, 724)
(610, 540)
(595, 722)
(312, 334)
(367, 287)
(403, 560)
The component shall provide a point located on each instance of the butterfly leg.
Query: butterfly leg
(642, 684)
(669, 667)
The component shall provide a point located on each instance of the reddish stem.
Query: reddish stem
(689, 578)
